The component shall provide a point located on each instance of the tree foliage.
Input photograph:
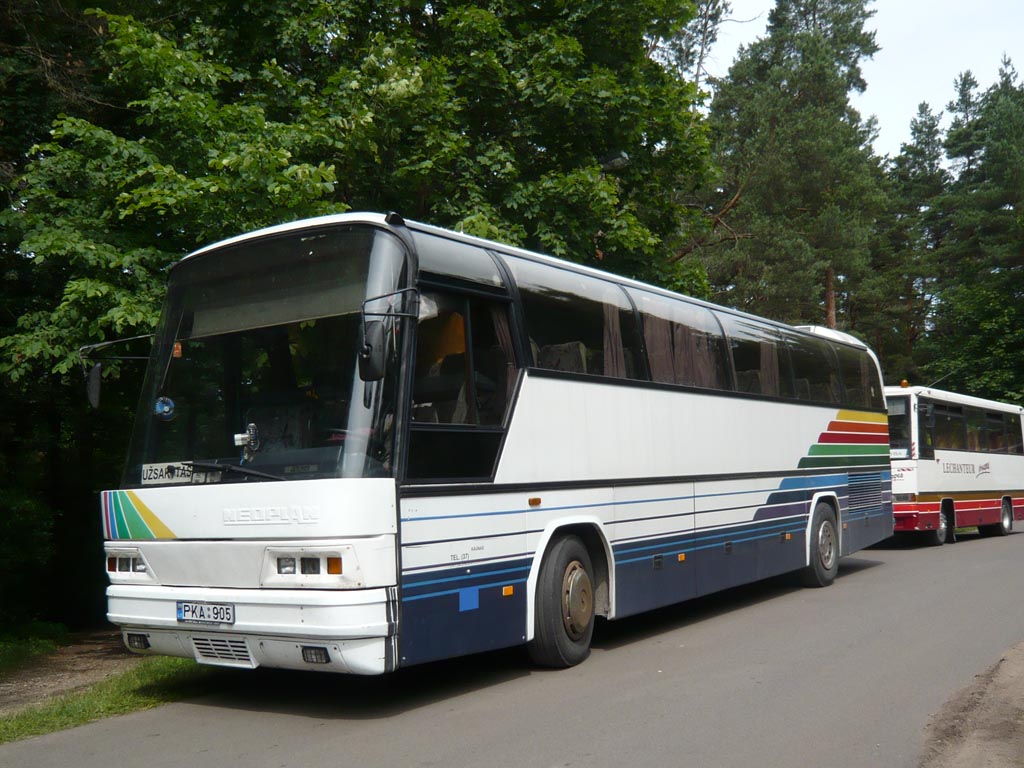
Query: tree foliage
(795, 158)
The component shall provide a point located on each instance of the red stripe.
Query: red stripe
(847, 437)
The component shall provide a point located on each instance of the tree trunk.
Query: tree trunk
(830, 298)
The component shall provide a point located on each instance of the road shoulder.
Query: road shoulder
(981, 725)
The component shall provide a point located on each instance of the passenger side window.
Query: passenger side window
(759, 358)
(464, 379)
(1014, 436)
(684, 342)
(860, 378)
(465, 367)
(577, 323)
(815, 371)
(949, 427)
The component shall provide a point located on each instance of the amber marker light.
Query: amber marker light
(334, 566)
(507, 590)
(535, 501)
(682, 557)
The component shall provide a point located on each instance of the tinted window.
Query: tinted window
(815, 374)
(995, 429)
(899, 427)
(1014, 442)
(977, 439)
(949, 427)
(577, 323)
(860, 378)
(684, 342)
(454, 259)
(758, 357)
(465, 375)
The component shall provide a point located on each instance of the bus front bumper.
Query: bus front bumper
(337, 631)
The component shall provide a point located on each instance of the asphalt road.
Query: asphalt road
(768, 675)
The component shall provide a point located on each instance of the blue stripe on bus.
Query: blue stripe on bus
(817, 483)
(461, 577)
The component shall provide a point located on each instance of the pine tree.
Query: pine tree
(798, 155)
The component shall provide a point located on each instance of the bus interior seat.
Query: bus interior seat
(570, 356)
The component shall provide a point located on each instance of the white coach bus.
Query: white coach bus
(957, 462)
(364, 444)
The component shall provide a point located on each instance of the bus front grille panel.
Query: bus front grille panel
(229, 649)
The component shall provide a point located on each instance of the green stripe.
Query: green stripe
(122, 524)
(832, 449)
(135, 522)
(839, 461)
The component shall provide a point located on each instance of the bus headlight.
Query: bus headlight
(311, 567)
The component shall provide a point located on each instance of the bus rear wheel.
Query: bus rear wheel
(564, 606)
(1005, 524)
(824, 548)
(940, 535)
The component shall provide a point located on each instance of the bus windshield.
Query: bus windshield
(899, 427)
(254, 373)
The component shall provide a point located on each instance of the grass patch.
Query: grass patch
(19, 645)
(153, 681)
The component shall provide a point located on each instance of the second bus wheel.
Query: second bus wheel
(1005, 524)
(824, 548)
(564, 607)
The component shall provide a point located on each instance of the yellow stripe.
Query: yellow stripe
(160, 531)
(874, 418)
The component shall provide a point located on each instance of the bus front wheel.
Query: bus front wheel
(564, 606)
(824, 548)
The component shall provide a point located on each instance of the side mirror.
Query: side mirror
(372, 355)
(92, 384)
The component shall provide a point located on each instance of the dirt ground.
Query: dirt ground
(88, 659)
(980, 726)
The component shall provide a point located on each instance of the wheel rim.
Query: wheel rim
(827, 545)
(577, 600)
(943, 527)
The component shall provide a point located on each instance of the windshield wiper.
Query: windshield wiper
(233, 468)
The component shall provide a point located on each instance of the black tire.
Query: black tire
(564, 607)
(824, 548)
(942, 534)
(1005, 524)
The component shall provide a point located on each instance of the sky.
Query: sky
(925, 45)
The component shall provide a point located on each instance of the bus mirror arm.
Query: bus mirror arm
(94, 376)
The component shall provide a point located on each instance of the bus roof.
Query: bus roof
(379, 219)
(952, 397)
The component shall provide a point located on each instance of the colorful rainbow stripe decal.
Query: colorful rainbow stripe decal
(853, 439)
(126, 517)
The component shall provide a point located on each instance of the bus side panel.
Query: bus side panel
(653, 546)
(446, 614)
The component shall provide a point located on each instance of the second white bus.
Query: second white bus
(957, 462)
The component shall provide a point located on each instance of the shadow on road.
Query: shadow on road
(343, 697)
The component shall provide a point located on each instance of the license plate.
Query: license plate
(206, 613)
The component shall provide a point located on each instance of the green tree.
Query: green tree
(195, 121)
(896, 296)
(798, 173)
(977, 344)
